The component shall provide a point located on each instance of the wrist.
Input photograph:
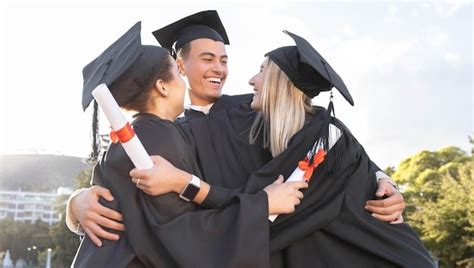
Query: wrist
(389, 181)
(183, 179)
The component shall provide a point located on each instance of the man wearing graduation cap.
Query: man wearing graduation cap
(225, 158)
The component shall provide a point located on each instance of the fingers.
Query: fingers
(297, 201)
(299, 194)
(98, 231)
(388, 218)
(398, 220)
(108, 223)
(384, 187)
(92, 236)
(279, 180)
(109, 213)
(299, 184)
(104, 193)
(381, 190)
(395, 198)
(142, 184)
(156, 159)
(389, 210)
(138, 173)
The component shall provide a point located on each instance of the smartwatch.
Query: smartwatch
(192, 189)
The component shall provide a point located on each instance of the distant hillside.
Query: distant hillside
(38, 172)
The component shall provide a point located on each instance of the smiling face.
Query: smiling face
(257, 82)
(205, 67)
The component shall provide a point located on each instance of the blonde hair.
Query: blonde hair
(284, 110)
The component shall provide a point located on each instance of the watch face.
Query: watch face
(190, 192)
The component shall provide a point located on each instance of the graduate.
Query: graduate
(225, 157)
(159, 232)
(330, 228)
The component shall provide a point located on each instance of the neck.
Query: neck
(198, 101)
(163, 109)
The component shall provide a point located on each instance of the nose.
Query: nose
(219, 68)
(252, 81)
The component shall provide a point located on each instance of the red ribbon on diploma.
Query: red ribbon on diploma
(309, 167)
(122, 135)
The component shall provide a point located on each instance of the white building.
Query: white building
(30, 206)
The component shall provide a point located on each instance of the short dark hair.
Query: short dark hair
(184, 51)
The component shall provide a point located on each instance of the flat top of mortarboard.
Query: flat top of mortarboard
(307, 69)
(112, 63)
(204, 24)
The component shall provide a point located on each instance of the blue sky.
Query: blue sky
(408, 65)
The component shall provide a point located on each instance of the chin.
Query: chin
(215, 95)
(254, 106)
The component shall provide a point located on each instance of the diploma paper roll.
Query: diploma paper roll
(297, 175)
(134, 148)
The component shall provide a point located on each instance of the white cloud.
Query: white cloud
(348, 30)
(452, 57)
(448, 8)
(392, 16)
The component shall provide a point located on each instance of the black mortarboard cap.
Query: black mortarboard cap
(204, 24)
(125, 67)
(112, 63)
(307, 69)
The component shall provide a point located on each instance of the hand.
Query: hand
(283, 197)
(389, 209)
(93, 216)
(162, 178)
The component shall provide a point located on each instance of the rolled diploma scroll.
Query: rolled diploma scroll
(297, 175)
(134, 148)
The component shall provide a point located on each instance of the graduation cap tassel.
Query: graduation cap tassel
(174, 55)
(95, 135)
(332, 114)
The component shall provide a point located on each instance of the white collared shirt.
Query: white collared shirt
(203, 109)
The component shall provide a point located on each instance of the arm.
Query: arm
(164, 177)
(85, 215)
(390, 204)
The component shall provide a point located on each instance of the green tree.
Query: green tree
(439, 192)
(389, 170)
(471, 141)
(66, 242)
(18, 237)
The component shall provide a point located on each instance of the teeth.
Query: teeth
(214, 80)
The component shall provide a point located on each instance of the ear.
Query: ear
(181, 69)
(160, 87)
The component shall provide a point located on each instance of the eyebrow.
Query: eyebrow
(211, 54)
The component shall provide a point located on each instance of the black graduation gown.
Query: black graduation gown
(165, 231)
(331, 228)
(225, 156)
(336, 199)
